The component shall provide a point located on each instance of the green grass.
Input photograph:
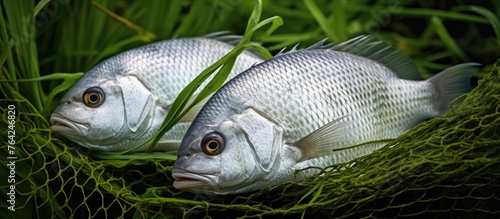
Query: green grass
(46, 46)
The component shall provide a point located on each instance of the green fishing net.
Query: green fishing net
(448, 167)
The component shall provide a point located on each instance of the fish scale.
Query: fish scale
(308, 108)
(138, 87)
(343, 83)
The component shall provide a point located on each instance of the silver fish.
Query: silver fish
(308, 108)
(121, 102)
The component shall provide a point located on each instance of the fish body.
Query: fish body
(121, 102)
(308, 108)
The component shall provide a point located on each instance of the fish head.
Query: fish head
(102, 114)
(242, 153)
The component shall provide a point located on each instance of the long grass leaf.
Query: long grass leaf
(176, 111)
(6, 56)
(448, 40)
(316, 194)
(39, 6)
(53, 76)
(422, 12)
(134, 156)
(339, 20)
(321, 19)
(146, 35)
(174, 9)
(489, 15)
(20, 21)
(198, 7)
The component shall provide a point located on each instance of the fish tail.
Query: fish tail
(451, 83)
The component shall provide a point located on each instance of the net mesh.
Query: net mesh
(446, 167)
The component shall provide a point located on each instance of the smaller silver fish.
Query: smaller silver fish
(308, 108)
(121, 102)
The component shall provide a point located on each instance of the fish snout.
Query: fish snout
(182, 160)
(186, 154)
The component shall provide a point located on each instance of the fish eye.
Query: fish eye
(93, 97)
(212, 144)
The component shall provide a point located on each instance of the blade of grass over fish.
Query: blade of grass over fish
(214, 84)
(176, 111)
(182, 99)
(448, 41)
(221, 76)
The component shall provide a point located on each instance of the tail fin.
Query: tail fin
(451, 83)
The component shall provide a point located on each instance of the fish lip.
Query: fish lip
(66, 126)
(192, 181)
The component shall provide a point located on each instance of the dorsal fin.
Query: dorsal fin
(319, 45)
(332, 136)
(224, 36)
(370, 47)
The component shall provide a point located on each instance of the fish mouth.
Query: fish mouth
(192, 181)
(65, 126)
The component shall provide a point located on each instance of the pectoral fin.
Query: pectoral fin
(331, 137)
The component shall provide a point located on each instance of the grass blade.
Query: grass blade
(176, 111)
(20, 21)
(423, 12)
(492, 18)
(145, 35)
(39, 6)
(448, 41)
(321, 19)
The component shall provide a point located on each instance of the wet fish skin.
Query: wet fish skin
(308, 108)
(138, 86)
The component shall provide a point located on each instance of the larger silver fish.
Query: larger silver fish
(121, 102)
(308, 108)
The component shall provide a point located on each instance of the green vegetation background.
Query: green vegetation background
(447, 167)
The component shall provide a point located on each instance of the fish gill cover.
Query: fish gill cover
(445, 167)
